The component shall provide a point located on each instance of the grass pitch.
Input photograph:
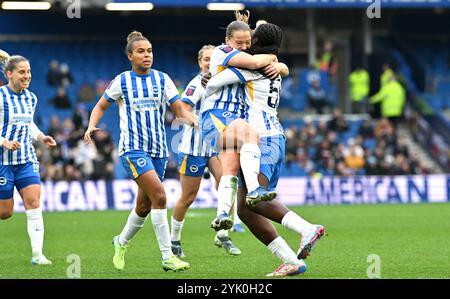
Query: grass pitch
(412, 241)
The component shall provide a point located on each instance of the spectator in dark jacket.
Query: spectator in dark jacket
(53, 74)
(338, 123)
(61, 100)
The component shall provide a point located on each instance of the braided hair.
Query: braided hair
(266, 39)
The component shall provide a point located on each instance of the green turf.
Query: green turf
(413, 241)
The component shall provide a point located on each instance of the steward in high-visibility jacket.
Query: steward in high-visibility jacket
(387, 73)
(392, 97)
(359, 84)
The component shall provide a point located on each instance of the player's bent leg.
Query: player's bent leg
(247, 142)
(30, 191)
(277, 212)
(237, 226)
(135, 222)
(150, 183)
(215, 168)
(189, 190)
(6, 208)
(143, 204)
(273, 210)
(259, 226)
(265, 232)
(227, 190)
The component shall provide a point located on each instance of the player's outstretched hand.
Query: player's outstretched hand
(11, 145)
(88, 134)
(49, 141)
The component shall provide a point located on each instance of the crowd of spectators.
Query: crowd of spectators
(72, 159)
(58, 74)
(321, 149)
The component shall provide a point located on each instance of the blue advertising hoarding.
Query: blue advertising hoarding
(292, 191)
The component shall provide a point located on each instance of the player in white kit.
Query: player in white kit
(142, 95)
(260, 111)
(19, 166)
(223, 128)
(194, 156)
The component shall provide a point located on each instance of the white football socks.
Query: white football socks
(133, 225)
(295, 223)
(236, 219)
(176, 228)
(222, 233)
(250, 158)
(226, 194)
(161, 228)
(35, 228)
(281, 249)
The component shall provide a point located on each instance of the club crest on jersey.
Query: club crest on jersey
(3, 181)
(190, 90)
(141, 162)
(226, 49)
(155, 89)
(193, 168)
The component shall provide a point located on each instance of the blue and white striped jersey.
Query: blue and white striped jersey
(142, 104)
(262, 97)
(228, 97)
(16, 123)
(191, 142)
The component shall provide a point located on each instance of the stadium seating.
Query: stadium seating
(434, 56)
